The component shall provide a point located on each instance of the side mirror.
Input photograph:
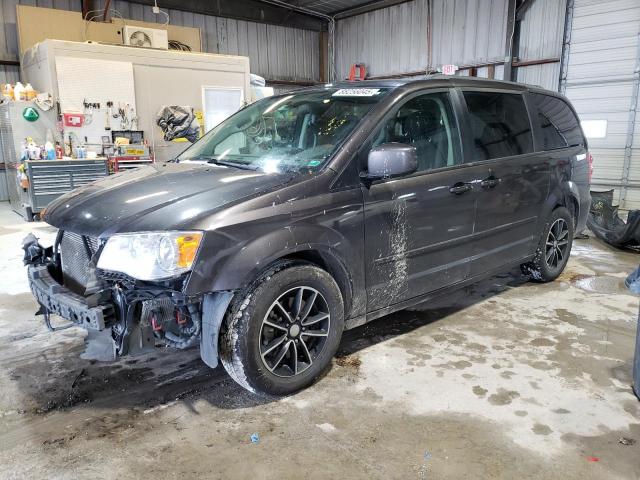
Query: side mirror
(391, 160)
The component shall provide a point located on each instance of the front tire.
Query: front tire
(553, 249)
(281, 333)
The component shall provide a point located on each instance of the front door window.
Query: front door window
(427, 123)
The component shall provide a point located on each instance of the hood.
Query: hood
(171, 194)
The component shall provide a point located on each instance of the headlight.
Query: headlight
(150, 255)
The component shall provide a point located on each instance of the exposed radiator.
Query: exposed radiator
(75, 253)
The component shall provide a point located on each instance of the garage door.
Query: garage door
(602, 78)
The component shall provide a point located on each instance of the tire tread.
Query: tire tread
(537, 268)
(234, 336)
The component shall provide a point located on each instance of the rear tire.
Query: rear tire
(553, 249)
(282, 331)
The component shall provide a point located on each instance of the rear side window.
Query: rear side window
(559, 126)
(499, 125)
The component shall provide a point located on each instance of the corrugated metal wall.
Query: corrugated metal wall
(275, 52)
(394, 40)
(278, 53)
(602, 80)
(541, 32)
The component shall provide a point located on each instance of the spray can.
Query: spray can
(59, 151)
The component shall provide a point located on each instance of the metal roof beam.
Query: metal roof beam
(251, 10)
(367, 7)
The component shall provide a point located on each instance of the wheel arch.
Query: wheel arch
(313, 244)
(566, 195)
(333, 265)
(319, 256)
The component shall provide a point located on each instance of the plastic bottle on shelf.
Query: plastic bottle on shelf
(51, 153)
(29, 92)
(19, 92)
(24, 151)
(59, 151)
(7, 91)
(68, 146)
(24, 180)
(33, 150)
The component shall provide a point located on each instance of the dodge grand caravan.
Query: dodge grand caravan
(313, 212)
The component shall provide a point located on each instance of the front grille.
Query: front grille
(76, 252)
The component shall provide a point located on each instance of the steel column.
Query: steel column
(566, 47)
(633, 108)
(508, 48)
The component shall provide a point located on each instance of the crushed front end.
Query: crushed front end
(133, 315)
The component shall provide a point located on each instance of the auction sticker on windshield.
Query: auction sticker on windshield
(356, 92)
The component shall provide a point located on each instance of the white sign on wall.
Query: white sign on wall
(449, 69)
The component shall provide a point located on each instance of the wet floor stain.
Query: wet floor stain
(540, 429)
(350, 361)
(561, 411)
(567, 316)
(543, 365)
(600, 284)
(503, 397)
(542, 342)
(479, 391)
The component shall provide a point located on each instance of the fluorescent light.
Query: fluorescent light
(144, 197)
(274, 105)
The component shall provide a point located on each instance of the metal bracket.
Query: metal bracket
(47, 320)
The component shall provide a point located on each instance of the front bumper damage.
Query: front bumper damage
(91, 313)
(135, 317)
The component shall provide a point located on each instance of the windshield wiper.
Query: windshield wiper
(227, 163)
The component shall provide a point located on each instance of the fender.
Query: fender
(582, 204)
(561, 194)
(572, 196)
(245, 262)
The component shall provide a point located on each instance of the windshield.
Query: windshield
(292, 133)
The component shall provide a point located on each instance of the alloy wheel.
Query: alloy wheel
(557, 244)
(294, 331)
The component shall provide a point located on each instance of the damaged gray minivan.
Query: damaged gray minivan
(312, 212)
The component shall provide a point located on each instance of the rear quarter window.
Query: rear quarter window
(499, 125)
(559, 127)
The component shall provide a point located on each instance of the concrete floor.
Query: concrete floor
(507, 379)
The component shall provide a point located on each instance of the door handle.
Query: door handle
(460, 188)
(490, 182)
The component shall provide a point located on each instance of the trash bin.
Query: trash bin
(633, 283)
